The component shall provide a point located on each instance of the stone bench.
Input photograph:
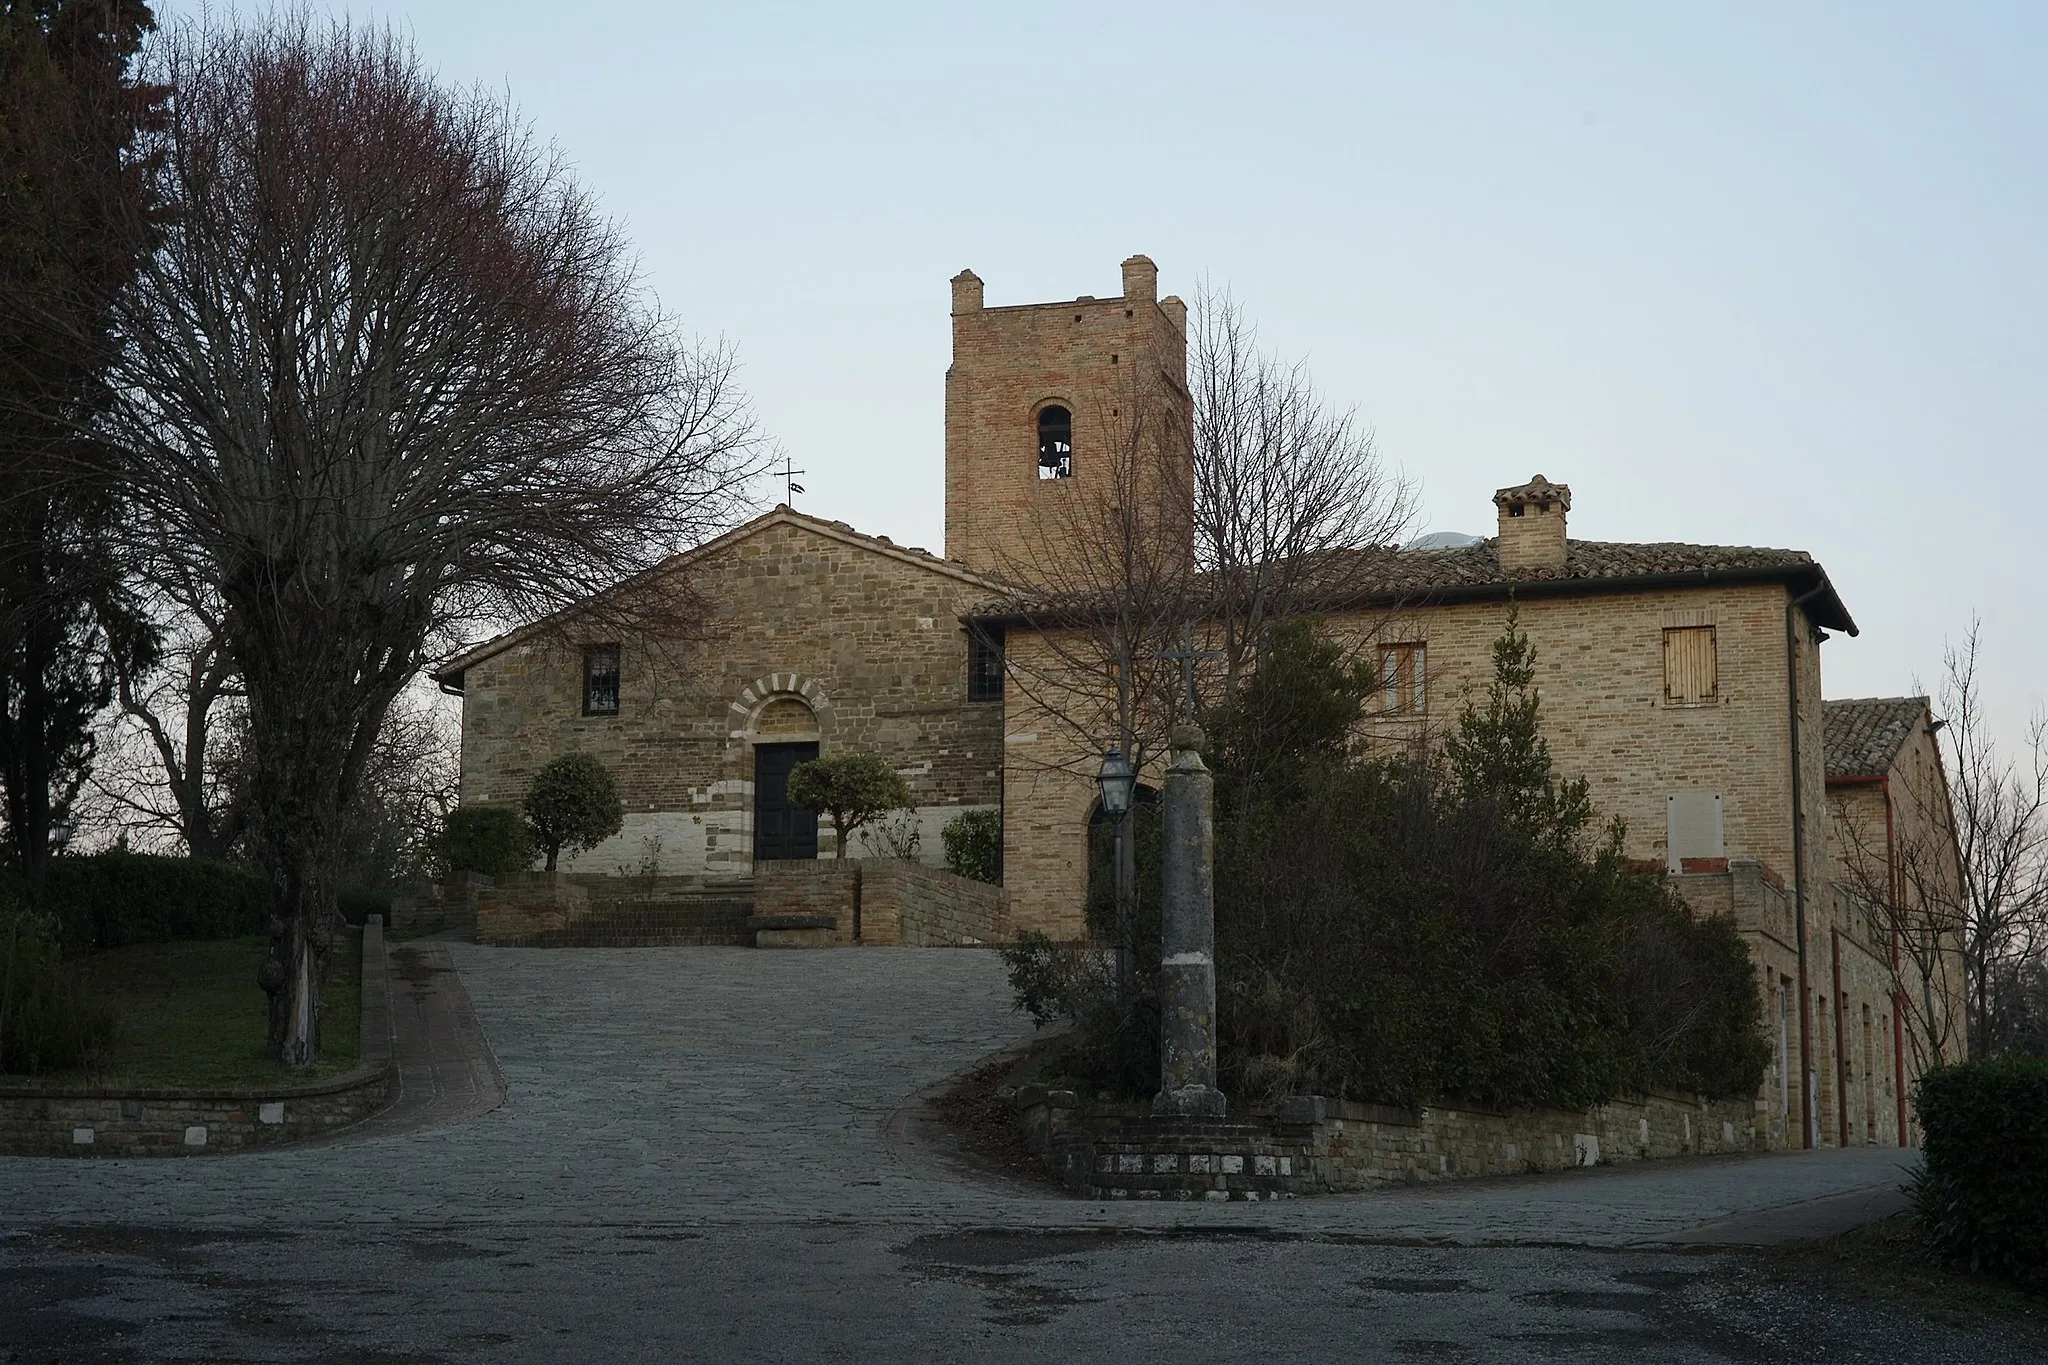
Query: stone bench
(794, 931)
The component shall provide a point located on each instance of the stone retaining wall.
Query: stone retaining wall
(1312, 1145)
(116, 1121)
(890, 900)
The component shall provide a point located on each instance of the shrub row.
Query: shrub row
(1982, 1193)
(111, 899)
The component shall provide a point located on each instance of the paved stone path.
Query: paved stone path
(729, 1085)
(690, 1162)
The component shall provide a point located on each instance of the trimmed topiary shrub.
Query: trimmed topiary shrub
(849, 789)
(974, 845)
(574, 805)
(1982, 1195)
(489, 840)
(111, 899)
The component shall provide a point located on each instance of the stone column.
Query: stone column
(1187, 969)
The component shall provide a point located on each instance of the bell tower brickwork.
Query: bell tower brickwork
(1089, 356)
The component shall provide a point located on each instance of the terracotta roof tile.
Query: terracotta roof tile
(1864, 734)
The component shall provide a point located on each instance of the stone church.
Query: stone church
(1684, 681)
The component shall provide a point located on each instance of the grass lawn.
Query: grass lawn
(192, 1016)
(1888, 1260)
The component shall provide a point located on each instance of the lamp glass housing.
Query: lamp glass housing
(1117, 781)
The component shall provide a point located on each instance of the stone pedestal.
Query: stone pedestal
(1187, 969)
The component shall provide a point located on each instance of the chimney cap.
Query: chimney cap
(1538, 490)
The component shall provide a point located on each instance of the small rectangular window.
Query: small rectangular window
(600, 680)
(1690, 677)
(984, 665)
(1401, 680)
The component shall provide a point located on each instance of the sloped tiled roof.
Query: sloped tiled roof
(1388, 575)
(1864, 734)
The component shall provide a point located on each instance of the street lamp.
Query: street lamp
(1117, 782)
(61, 830)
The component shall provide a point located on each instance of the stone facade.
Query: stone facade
(811, 632)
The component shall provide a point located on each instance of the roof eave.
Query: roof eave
(1825, 609)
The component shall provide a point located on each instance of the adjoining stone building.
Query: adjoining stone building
(1683, 681)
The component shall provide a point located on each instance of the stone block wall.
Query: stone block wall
(1313, 1145)
(87, 1120)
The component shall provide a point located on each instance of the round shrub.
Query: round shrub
(573, 804)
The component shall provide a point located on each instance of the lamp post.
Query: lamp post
(61, 830)
(1117, 781)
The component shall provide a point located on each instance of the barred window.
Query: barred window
(600, 680)
(1401, 679)
(1690, 676)
(984, 665)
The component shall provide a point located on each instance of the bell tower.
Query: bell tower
(1045, 405)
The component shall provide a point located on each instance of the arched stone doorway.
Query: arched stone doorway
(784, 733)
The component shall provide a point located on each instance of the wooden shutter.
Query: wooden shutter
(1689, 666)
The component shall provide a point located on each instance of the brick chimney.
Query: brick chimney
(1532, 526)
(967, 292)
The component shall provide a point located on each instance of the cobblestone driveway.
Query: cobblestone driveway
(690, 1164)
(729, 1085)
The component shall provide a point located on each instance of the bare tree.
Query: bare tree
(389, 373)
(172, 746)
(1961, 894)
(1294, 508)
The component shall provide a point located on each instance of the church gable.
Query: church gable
(811, 634)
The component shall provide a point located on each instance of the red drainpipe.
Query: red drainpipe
(1891, 886)
(1841, 1044)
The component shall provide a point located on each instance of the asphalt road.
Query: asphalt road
(692, 1163)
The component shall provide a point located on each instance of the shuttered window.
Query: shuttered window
(1690, 678)
(1401, 679)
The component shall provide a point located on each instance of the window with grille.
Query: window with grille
(600, 680)
(1055, 443)
(1401, 679)
(984, 665)
(1690, 678)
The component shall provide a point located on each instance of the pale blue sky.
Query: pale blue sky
(1742, 274)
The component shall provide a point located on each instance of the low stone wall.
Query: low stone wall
(929, 907)
(1312, 1145)
(520, 909)
(884, 901)
(114, 1121)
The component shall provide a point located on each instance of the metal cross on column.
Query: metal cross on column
(1187, 654)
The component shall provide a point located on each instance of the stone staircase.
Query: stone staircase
(713, 917)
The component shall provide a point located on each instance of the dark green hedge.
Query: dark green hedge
(1983, 1195)
(115, 898)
